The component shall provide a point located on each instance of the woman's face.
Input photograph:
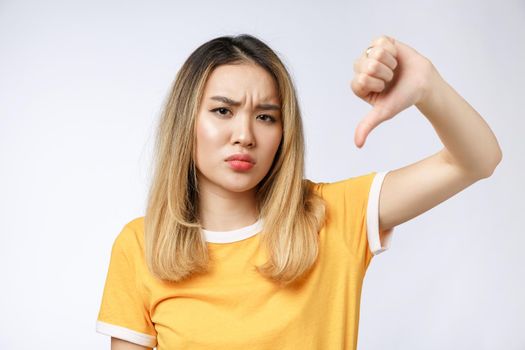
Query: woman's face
(240, 114)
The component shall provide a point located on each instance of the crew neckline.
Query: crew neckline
(233, 235)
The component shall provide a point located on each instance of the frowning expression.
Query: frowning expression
(239, 115)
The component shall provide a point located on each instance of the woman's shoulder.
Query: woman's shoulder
(136, 224)
(336, 187)
(131, 236)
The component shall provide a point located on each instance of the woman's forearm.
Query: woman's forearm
(469, 142)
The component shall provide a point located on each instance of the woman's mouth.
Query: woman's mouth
(240, 165)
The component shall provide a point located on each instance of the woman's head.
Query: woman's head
(233, 95)
(243, 69)
(239, 115)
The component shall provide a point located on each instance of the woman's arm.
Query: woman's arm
(393, 77)
(119, 344)
(469, 141)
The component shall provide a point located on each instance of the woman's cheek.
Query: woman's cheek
(208, 130)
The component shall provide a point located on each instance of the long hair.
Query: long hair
(293, 214)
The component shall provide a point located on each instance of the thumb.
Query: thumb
(375, 117)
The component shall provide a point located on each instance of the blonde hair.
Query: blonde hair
(293, 214)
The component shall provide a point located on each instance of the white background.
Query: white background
(82, 85)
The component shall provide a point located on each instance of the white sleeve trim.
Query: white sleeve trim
(126, 334)
(372, 219)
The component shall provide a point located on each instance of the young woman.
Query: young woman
(237, 250)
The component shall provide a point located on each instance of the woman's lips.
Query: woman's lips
(240, 161)
(240, 165)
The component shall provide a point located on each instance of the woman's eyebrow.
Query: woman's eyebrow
(263, 106)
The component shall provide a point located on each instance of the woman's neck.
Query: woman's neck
(222, 210)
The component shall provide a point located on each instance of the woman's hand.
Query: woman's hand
(391, 77)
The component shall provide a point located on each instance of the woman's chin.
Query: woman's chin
(239, 187)
(233, 182)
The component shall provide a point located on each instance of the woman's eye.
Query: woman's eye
(221, 111)
(268, 118)
(224, 111)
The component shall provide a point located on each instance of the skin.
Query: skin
(394, 77)
(391, 78)
(227, 196)
(119, 344)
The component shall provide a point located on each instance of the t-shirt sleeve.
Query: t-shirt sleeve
(124, 312)
(354, 211)
(378, 240)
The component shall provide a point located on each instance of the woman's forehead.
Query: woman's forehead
(237, 81)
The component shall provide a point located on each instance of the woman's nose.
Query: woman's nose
(242, 131)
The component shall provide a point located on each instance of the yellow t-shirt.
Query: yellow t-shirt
(233, 307)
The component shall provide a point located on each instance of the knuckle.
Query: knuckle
(357, 88)
(395, 64)
(356, 65)
(380, 53)
(390, 75)
(361, 80)
(379, 39)
(352, 85)
(373, 67)
(379, 86)
(383, 40)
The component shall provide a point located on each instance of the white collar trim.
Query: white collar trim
(233, 235)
